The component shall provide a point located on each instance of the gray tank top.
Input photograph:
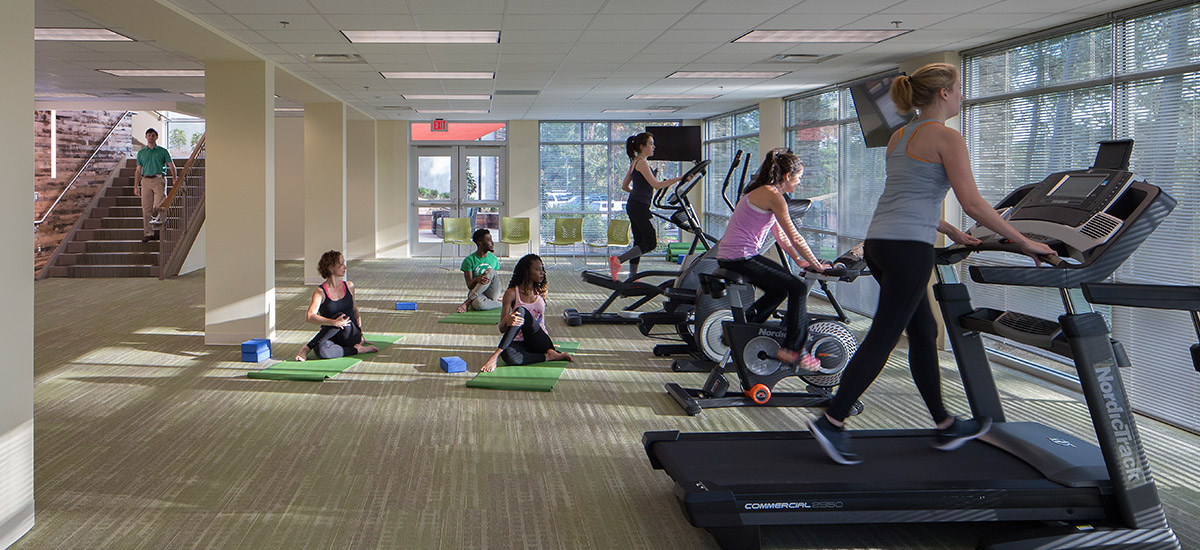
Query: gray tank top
(911, 204)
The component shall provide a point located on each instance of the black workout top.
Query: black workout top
(330, 309)
(641, 190)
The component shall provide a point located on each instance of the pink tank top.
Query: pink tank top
(746, 232)
(537, 308)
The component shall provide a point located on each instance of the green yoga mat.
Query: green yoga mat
(565, 347)
(489, 317)
(317, 370)
(531, 378)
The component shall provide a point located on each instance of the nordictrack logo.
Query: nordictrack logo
(793, 505)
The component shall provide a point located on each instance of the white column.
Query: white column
(771, 123)
(361, 196)
(239, 287)
(392, 208)
(16, 246)
(523, 180)
(324, 184)
(289, 188)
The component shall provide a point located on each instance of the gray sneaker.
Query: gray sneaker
(960, 432)
(833, 440)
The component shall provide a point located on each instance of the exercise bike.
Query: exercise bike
(752, 348)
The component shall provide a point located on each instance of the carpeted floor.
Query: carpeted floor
(147, 438)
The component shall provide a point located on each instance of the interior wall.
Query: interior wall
(195, 257)
(142, 121)
(392, 205)
(16, 232)
(289, 188)
(523, 180)
(361, 196)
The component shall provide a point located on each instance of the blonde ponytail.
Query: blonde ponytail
(921, 89)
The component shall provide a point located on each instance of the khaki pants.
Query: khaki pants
(153, 194)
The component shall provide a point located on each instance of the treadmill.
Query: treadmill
(1100, 496)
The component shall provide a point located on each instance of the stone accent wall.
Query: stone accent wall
(79, 132)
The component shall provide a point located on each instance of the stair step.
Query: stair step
(110, 258)
(97, 271)
(109, 234)
(120, 223)
(121, 201)
(120, 191)
(99, 247)
(118, 212)
(58, 271)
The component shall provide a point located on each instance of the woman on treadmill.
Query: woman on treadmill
(640, 182)
(762, 210)
(924, 159)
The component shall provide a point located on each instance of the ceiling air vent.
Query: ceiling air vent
(333, 58)
(515, 92)
(802, 58)
(146, 90)
(395, 108)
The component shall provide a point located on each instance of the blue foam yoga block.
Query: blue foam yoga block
(453, 364)
(256, 357)
(256, 345)
(409, 306)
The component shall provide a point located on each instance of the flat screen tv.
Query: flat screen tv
(676, 143)
(877, 114)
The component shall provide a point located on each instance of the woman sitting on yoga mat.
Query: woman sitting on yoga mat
(523, 319)
(333, 308)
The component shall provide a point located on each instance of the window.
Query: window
(182, 133)
(724, 136)
(1041, 106)
(581, 166)
(843, 179)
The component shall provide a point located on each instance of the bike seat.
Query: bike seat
(729, 276)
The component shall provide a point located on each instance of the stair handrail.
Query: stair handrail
(179, 233)
(182, 177)
(96, 151)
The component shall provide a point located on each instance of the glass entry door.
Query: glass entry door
(455, 181)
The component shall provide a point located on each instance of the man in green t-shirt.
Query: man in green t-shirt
(479, 272)
(150, 183)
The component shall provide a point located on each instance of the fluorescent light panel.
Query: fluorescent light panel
(671, 96)
(639, 110)
(423, 37)
(480, 97)
(196, 94)
(726, 74)
(453, 111)
(821, 35)
(61, 95)
(438, 75)
(154, 72)
(289, 109)
(79, 35)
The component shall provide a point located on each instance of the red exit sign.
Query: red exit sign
(439, 125)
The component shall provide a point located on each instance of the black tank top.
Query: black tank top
(330, 309)
(641, 190)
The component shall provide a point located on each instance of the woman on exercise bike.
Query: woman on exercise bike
(924, 159)
(764, 209)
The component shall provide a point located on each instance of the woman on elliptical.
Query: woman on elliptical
(924, 159)
(764, 209)
(523, 319)
(640, 182)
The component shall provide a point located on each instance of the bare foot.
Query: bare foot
(367, 348)
(555, 355)
(303, 355)
(489, 366)
(462, 308)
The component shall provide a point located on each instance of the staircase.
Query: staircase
(109, 243)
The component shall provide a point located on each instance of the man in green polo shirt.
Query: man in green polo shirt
(479, 272)
(150, 182)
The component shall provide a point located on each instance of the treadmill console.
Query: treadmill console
(1094, 218)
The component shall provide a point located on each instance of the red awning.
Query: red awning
(455, 131)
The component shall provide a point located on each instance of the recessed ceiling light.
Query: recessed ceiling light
(821, 36)
(437, 75)
(423, 37)
(481, 97)
(154, 72)
(639, 110)
(61, 95)
(726, 74)
(671, 96)
(79, 35)
(197, 94)
(289, 109)
(453, 111)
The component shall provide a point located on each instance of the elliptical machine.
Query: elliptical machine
(752, 348)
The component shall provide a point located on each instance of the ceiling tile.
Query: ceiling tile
(745, 22)
(939, 6)
(264, 6)
(840, 6)
(378, 22)
(458, 21)
(368, 7)
(301, 37)
(539, 37)
(553, 6)
(650, 6)
(545, 21)
(746, 6)
(987, 21)
(797, 21)
(472, 7)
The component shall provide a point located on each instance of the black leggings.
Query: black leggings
(902, 269)
(645, 237)
(532, 348)
(777, 284)
(331, 342)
